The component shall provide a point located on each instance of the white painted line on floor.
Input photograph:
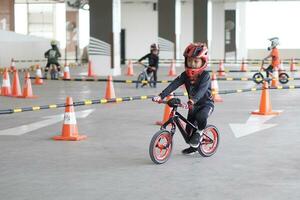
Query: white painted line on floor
(20, 130)
(83, 74)
(254, 124)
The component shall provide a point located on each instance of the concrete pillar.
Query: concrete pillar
(200, 20)
(169, 28)
(72, 46)
(7, 15)
(105, 28)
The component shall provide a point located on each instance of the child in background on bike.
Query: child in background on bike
(197, 83)
(52, 55)
(274, 54)
(153, 61)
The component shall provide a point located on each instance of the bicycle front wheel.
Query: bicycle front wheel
(152, 81)
(161, 146)
(258, 78)
(209, 142)
(139, 80)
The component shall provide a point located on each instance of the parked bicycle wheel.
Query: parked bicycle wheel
(258, 78)
(210, 141)
(283, 78)
(161, 146)
(139, 80)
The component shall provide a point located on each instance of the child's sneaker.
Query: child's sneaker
(189, 151)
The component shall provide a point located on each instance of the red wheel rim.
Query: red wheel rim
(209, 141)
(163, 146)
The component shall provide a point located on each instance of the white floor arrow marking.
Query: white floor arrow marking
(20, 130)
(255, 123)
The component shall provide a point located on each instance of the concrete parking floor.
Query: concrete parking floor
(113, 163)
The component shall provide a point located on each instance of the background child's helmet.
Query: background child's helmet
(274, 42)
(196, 50)
(154, 46)
(53, 43)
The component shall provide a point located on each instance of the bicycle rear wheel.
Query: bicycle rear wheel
(258, 78)
(283, 78)
(209, 142)
(161, 146)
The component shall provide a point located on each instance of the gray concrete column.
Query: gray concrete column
(200, 20)
(105, 28)
(169, 28)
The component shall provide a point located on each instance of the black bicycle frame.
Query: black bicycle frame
(175, 119)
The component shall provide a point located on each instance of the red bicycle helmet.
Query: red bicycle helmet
(195, 50)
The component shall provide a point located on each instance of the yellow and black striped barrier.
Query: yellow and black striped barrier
(226, 61)
(124, 99)
(249, 79)
(30, 69)
(159, 81)
(105, 80)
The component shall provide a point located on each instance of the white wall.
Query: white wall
(283, 53)
(140, 22)
(21, 47)
(141, 25)
(45, 20)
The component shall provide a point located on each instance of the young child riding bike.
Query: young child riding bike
(197, 83)
(153, 61)
(52, 55)
(274, 54)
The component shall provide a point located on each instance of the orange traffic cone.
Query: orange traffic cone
(265, 107)
(110, 91)
(167, 112)
(6, 88)
(67, 72)
(16, 88)
(90, 70)
(243, 66)
(221, 68)
(292, 65)
(70, 129)
(215, 88)
(38, 76)
(172, 70)
(129, 69)
(274, 82)
(27, 89)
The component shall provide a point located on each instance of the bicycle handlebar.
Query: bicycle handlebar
(142, 64)
(181, 105)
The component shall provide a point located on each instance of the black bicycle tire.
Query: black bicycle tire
(200, 151)
(152, 146)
